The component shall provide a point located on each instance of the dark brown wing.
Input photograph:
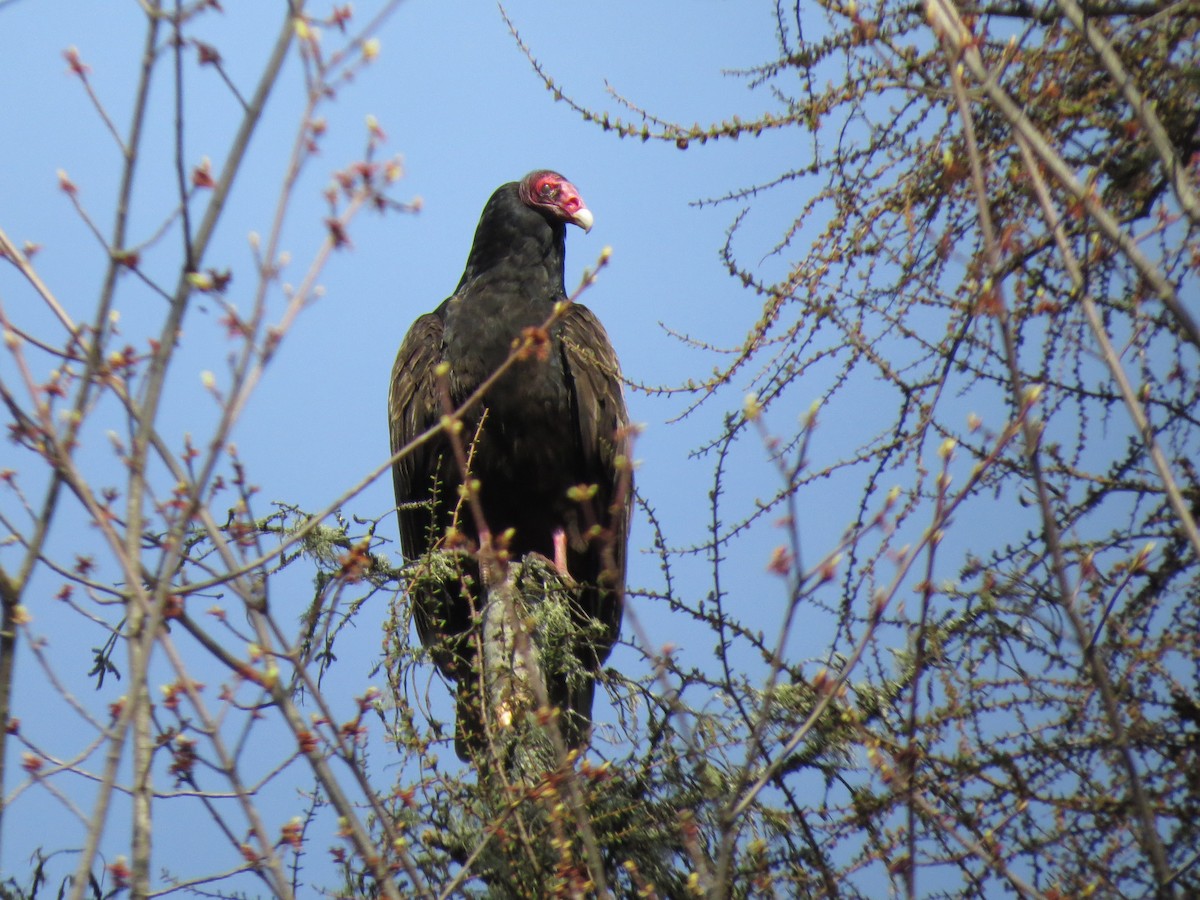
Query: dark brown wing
(424, 496)
(414, 407)
(591, 364)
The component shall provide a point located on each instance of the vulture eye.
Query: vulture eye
(549, 190)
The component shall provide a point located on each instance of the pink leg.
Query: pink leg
(560, 551)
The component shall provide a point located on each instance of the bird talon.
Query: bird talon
(560, 551)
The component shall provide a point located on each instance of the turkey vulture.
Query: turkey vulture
(554, 421)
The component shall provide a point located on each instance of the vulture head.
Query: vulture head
(554, 196)
(522, 232)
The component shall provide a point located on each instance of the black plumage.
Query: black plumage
(554, 421)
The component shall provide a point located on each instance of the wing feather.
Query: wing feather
(421, 476)
(413, 408)
(592, 366)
